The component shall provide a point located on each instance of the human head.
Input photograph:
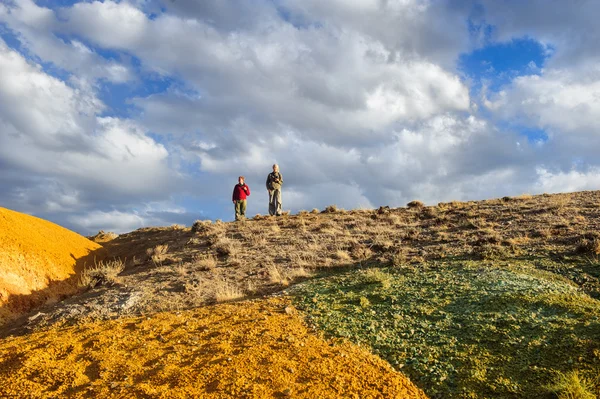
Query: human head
(275, 168)
(241, 179)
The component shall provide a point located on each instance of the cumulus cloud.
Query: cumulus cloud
(573, 180)
(69, 156)
(559, 100)
(360, 102)
(37, 28)
(329, 82)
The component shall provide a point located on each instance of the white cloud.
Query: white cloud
(51, 133)
(559, 100)
(329, 82)
(358, 101)
(114, 221)
(573, 180)
(36, 28)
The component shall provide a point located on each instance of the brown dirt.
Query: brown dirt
(38, 261)
(263, 255)
(253, 349)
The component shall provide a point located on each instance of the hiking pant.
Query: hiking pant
(240, 209)
(275, 202)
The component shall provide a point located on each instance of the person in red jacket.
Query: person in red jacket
(240, 192)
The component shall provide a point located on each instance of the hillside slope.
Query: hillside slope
(173, 268)
(38, 261)
(496, 298)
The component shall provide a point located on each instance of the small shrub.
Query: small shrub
(102, 273)
(415, 204)
(382, 210)
(177, 226)
(315, 210)
(283, 276)
(158, 253)
(400, 259)
(588, 246)
(342, 255)
(491, 252)
(181, 269)
(429, 213)
(558, 202)
(412, 233)
(225, 291)
(382, 243)
(364, 302)
(201, 226)
(102, 237)
(360, 251)
(226, 247)
(377, 276)
(331, 209)
(393, 219)
(572, 386)
(542, 233)
(205, 262)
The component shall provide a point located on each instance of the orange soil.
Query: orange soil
(243, 350)
(35, 254)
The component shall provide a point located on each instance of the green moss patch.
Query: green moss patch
(464, 329)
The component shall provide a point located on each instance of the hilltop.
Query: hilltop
(495, 298)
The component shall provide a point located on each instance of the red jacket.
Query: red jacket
(240, 192)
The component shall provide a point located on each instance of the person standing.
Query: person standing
(274, 183)
(240, 192)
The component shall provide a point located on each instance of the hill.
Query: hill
(496, 298)
(39, 262)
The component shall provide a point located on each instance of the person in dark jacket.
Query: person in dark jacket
(240, 192)
(274, 183)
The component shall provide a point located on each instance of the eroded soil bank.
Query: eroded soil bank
(39, 262)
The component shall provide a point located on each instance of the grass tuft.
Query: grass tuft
(102, 273)
(572, 385)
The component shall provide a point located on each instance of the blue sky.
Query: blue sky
(121, 114)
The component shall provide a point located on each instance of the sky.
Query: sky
(116, 115)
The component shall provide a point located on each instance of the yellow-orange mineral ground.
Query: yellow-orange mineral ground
(252, 349)
(38, 261)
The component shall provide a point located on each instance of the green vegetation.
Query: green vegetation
(465, 329)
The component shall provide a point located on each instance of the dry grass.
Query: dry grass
(342, 255)
(201, 226)
(284, 276)
(360, 251)
(181, 269)
(331, 209)
(204, 262)
(225, 291)
(269, 253)
(415, 204)
(226, 246)
(158, 254)
(572, 386)
(102, 273)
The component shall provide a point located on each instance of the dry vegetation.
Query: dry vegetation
(175, 267)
